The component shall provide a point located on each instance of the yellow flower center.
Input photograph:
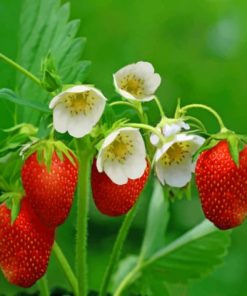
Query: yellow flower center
(132, 85)
(80, 102)
(120, 148)
(176, 153)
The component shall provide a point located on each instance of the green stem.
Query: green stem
(84, 154)
(122, 234)
(43, 286)
(123, 103)
(209, 109)
(149, 128)
(66, 268)
(20, 68)
(162, 113)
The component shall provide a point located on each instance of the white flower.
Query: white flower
(137, 81)
(173, 161)
(122, 155)
(77, 110)
(170, 128)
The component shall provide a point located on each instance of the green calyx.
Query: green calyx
(45, 150)
(13, 202)
(50, 81)
(236, 143)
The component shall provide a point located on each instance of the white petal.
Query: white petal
(110, 138)
(98, 109)
(61, 118)
(159, 152)
(79, 125)
(185, 125)
(55, 100)
(178, 175)
(159, 169)
(125, 94)
(144, 68)
(135, 166)
(115, 171)
(152, 83)
(171, 129)
(183, 138)
(100, 161)
(154, 139)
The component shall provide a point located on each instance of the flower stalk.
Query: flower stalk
(20, 69)
(85, 156)
(117, 248)
(66, 268)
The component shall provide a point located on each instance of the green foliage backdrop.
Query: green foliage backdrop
(199, 48)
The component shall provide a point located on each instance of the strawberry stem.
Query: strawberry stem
(66, 268)
(43, 286)
(84, 153)
(117, 248)
(205, 107)
(20, 69)
(157, 101)
(123, 103)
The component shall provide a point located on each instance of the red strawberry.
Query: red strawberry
(50, 193)
(222, 186)
(25, 246)
(112, 199)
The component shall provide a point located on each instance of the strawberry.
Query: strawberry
(112, 199)
(222, 185)
(25, 246)
(50, 192)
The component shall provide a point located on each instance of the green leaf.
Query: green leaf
(38, 37)
(9, 95)
(191, 256)
(124, 267)
(158, 217)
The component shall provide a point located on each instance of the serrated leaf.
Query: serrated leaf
(8, 94)
(158, 217)
(191, 256)
(38, 37)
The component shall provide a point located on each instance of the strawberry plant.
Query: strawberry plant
(70, 143)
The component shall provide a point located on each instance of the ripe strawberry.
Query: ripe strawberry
(112, 199)
(222, 186)
(25, 246)
(51, 192)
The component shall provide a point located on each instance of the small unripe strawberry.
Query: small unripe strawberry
(50, 192)
(222, 186)
(25, 246)
(112, 199)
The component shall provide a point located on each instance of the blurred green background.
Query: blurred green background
(199, 48)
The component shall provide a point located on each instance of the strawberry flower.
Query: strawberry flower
(77, 110)
(173, 161)
(169, 128)
(137, 81)
(122, 155)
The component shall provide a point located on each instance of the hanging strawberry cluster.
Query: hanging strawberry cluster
(122, 154)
